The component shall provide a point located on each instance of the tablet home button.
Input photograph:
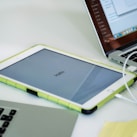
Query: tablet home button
(110, 90)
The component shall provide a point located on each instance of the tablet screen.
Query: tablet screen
(61, 75)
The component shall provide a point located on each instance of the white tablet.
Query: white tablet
(80, 84)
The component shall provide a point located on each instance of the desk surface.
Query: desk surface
(63, 24)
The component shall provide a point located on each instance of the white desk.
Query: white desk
(63, 24)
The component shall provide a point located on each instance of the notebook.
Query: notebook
(115, 24)
(23, 120)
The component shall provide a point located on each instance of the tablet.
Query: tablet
(77, 83)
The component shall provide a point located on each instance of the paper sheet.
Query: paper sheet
(119, 129)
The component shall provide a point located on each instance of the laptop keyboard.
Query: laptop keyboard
(6, 117)
(133, 58)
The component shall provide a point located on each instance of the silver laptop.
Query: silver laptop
(115, 23)
(23, 120)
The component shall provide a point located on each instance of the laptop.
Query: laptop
(23, 120)
(115, 24)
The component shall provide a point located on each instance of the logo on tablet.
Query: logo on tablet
(59, 73)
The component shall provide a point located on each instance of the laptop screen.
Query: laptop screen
(115, 22)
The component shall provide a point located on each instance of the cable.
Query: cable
(123, 72)
(124, 98)
(134, 99)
